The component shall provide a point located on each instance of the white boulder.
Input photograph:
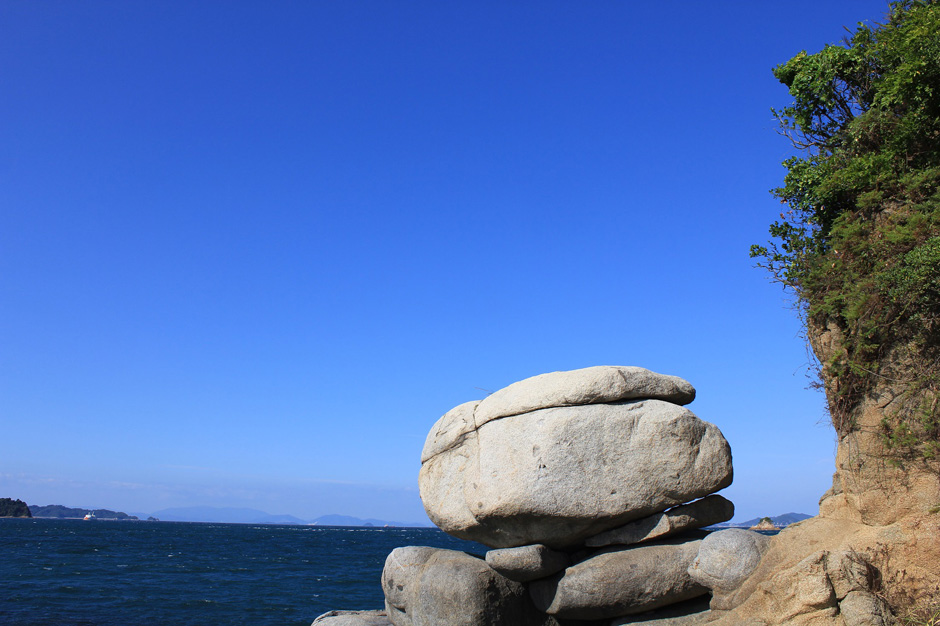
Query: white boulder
(559, 475)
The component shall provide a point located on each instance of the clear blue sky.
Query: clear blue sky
(250, 252)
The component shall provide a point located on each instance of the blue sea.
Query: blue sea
(104, 573)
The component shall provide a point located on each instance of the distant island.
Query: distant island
(765, 523)
(234, 515)
(57, 511)
(207, 514)
(13, 508)
(778, 521)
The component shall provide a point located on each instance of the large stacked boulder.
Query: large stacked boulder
(590, 487)
(558, 458)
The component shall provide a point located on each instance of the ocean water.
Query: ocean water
(104, 573)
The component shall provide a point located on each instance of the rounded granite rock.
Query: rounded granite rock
(556, 476)
(527, 563)
(727, 558)
(433, 586)
(621, 582)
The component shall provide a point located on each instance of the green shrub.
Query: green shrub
(859, 239)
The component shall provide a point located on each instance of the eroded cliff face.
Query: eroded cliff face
(874, 484)
(876, 541)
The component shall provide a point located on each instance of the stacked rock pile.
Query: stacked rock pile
(589, 486)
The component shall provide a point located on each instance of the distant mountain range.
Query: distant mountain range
(221, 515)
(779, 521)
(227, 515)
(230, 515)
(345, 520)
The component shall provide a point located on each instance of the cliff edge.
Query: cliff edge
(858, 244)
(870, 557)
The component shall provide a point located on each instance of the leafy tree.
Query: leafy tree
(858, 240)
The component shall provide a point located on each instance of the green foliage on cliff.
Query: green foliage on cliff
(13, 508)
(858, 240)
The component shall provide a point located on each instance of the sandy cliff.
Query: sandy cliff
(880, 520)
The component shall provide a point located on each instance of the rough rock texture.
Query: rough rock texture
(711, 510)
(621, 582)
(796, 581)
(353, 618)
(559, 475)
(868, 488)
(527, 563)
(727, 557)
(802, 590)
(689, 613)
(591, 385)
(878, 511)
(860, 608)
(402, 571)
(431, 587)
(849, 571)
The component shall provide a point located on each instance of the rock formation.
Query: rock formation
(726, 559)
(590, 486)
(431, 586)
(528, 465)
(621, 581)
(876, 537)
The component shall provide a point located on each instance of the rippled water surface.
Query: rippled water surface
(70, 572)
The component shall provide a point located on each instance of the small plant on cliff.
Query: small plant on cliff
(858, 240)
(927, 617)
(913, 603)
(919, 614)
